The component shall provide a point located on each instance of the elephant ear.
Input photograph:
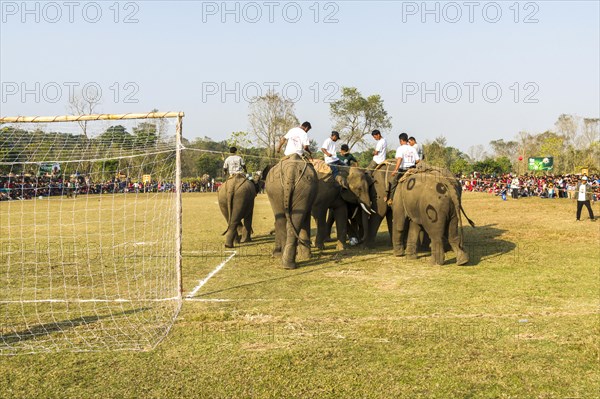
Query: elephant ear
(348, 196)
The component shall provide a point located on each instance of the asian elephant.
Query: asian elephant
(291, 186)
(331, 196)
(236, 200)
(382, 177)
(358, 211)
(430, 198)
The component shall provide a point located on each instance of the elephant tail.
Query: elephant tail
(472, 223)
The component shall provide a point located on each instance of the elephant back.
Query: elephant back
(427, 180)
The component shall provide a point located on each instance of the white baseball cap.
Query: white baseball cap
(584, 178)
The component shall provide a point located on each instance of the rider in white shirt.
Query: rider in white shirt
(297, 140)
(407, 157)
(331, 159)
(234, 164)
(380, 150)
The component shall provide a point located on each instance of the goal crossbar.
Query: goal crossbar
(90, 117)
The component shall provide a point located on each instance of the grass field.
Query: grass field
(521, 321)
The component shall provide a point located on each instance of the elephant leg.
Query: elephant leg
(298, 226)
(280, 234)
(341, 226)
(247, 230)
(231, 236)
(424, 241)
(462, 258)
(290, 247)
(437, 248)
(411, 243)
(304, 250)
(398, 232)
(238, 232)
(330, 221)
(374, 223)
(320, 218)
(364, 228)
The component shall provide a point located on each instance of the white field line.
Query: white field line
(123, 300)
(210, 275)
(208, 299)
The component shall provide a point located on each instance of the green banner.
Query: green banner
(538, 163)
(52, 168)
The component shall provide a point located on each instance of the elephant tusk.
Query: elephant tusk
(364, 208)
(354, 214)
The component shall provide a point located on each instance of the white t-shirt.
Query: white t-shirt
(409, 156)
(582, 190)
(329, 145)
(382, 148)
(296, 140)
(234, 164)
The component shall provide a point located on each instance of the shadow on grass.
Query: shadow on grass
(483, 242)
(480, 242)
(59, 326)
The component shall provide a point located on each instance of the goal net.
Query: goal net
(90, 232)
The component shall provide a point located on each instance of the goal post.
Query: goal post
(90, 231)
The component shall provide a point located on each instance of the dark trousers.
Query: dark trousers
(580, 205)
(334, 168)
(396, 179)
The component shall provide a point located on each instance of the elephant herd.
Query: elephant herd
(426, 206)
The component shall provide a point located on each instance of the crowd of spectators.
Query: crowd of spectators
(21, 187)
(548, 186)
(18, 187)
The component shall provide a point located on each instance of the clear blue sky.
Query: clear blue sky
(178, 53)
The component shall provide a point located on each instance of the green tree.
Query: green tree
(492, 166)
(436, 151)
(115, 136)
(145, 134)
(508, 149)
(210, 164)
(241, 140)
(552, 145)
(355, 116)
(461, 167)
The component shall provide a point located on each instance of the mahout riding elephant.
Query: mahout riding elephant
(335, 198)
(236, 200)
(291, 186)
(428, 197)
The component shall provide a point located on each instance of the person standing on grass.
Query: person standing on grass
(514, 186)
(584, 196)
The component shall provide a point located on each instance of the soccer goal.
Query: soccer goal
(90, 231)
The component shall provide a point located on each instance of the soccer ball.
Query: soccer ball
(353, 241)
